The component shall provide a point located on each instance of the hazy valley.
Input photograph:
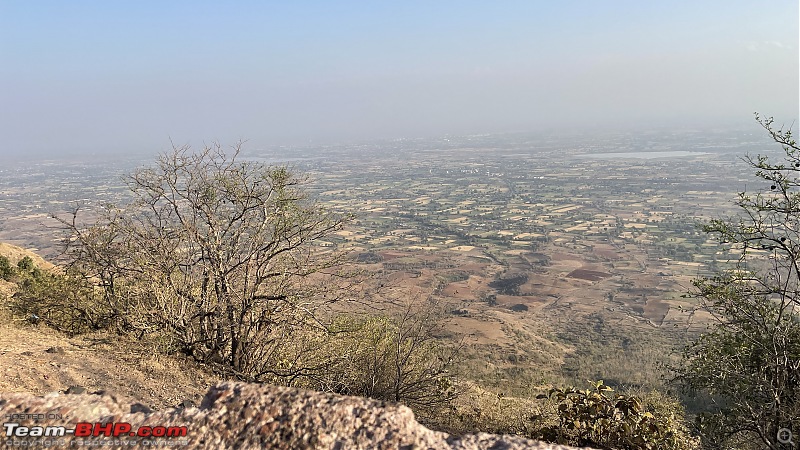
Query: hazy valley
(554, 260)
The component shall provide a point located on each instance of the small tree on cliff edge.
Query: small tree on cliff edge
(749, 362)
(217, 255)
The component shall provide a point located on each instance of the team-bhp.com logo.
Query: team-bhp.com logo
(88, 429)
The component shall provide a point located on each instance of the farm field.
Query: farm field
(550, 261)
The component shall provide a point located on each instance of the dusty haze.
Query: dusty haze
(97, 77)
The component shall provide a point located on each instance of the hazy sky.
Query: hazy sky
(117, 76)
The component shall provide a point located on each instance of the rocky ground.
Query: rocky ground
(242, 416)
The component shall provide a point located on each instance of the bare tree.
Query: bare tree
(217, 255)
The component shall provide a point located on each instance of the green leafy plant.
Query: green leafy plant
(601, 418)
(66, 302)
(26, 264)
(7, 271)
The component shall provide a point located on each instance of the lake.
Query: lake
(644, 155)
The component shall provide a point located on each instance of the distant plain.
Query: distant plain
(552, 261)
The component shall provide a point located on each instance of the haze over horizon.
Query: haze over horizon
(108, 78)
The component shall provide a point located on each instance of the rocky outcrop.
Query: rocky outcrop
(232, 415)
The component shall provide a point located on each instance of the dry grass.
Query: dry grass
(479, 409)
(38, 360)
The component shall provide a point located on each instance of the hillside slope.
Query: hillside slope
(36, 359)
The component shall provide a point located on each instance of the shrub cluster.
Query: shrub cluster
(25, 267)
(65, 302)
(394, 359)
(598, 417)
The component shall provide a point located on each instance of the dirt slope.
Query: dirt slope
(14, 254)
(37, 360)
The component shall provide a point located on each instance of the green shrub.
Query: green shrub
(598, 417)
(65, 302)
(747, 364)
(26, 264)
(6, 269)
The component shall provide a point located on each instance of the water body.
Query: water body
(277, 159)
(644, 155)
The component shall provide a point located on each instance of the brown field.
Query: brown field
(563, 287)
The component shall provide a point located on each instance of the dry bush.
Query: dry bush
(214, 255)
(397, 359)
(477, 409)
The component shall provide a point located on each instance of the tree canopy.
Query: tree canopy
(748, 364)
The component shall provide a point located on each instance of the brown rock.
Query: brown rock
(252, 416)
